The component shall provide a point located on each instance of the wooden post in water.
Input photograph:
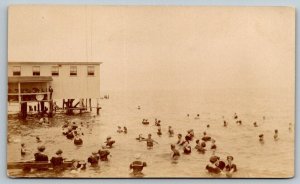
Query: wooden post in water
(23, 110)
(63, 106)
(98, 108)
(42, 107)
(86, 104)
(38, 106)
(90, 103)
(50, 108)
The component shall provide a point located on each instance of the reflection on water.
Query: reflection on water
(272, 159)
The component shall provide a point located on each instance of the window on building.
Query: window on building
(16, 71)
(73, 70)
(36, 71)
(55, 71)
(91, 70)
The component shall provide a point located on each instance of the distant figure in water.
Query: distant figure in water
(109, 142)
(255, 124)
(24, 151)
(94, 159)
(38, 140)
(190, 135)
(145, 122)
(216, 166)
(119, 130)
(239, 122)
(139, 107)
(44, 120)
(180, 142)
(290, 127)
(206, 137)
(225, 123)
(78, 140)
(175, 154)
(137, 166)
(200, 146)
(150, 141)
(159, 131)
(213, 145)
(70, 134)
(125, 130)
(188, 115)
(230, 168)
(198, 116)
(207, 126)
(186, 147)
(276, 135)
(140, 138)
(261, 138)
(235, 116)
(171, 132)
(157, 123)
(103, 154)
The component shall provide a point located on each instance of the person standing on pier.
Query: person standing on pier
(51, 91)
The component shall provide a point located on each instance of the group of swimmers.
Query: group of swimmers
(215, 166)
(73, 132)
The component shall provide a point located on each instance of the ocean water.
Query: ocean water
(273, 159)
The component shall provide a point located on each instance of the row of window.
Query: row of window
(54, 71)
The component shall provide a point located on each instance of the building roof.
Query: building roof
(23, 79)
(53, 63)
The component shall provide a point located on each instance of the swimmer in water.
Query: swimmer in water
(24, 151)
(188, 115)
(198, 116)
(216, 166)
(276, 137)
(171, 132)
(180, 141)
(261, 138)
(213, 146)
(38, 140)
(140, 138)
(157, 123)
(200, 146)
(206, 137)
(103, 154)
(139, 107)
(230, 168)
(119, 130)
(137, 166)
(109, 142)
(290, 127)
(78, 140)
(186, 147)
(255, 124)
(207, 126)
(150, 141)
(94, 159)
(159, 131)
(235, 116)
(175, 154)
(225, 123)
(125, 130)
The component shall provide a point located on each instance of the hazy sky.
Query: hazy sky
(162, 47)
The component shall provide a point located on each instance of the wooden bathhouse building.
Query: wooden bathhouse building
(37, 86)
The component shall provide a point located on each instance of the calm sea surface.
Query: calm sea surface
(272, 159)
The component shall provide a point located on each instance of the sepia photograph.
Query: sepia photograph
(150, 91)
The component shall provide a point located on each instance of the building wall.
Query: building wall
(64, 85)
